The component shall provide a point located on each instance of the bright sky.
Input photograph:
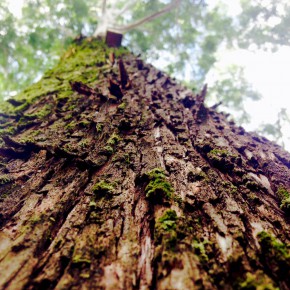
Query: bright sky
(15, 7)
(267, 72)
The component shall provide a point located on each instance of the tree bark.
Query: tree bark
(109, 183)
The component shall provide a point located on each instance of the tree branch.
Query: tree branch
(166, 9)
(104, 6)
(126, 7)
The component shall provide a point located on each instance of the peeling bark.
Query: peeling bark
(148, 189)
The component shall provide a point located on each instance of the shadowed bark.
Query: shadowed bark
(112, 186)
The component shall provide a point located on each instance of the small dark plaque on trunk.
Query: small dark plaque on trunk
(113, 39)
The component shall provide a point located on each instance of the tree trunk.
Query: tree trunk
(113, 176)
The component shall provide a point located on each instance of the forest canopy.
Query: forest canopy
(184, 42)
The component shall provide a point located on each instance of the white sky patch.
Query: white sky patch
(269, 74)
(233, 6)
(15, 7)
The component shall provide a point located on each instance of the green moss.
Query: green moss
(165, 230)
(67, 117)
(8, 131)
(108, 150)
(44, 111)
(4, 124)
(227, 187)
(284, 197)
(4, 179)
(199, 249)
(274, 246)
(254, 198)
(64, 95)
(85, 123)
(85, 275)
(275, 254)
(41, 88)
(168, 219)
(99, 127)
(35, 219)
(285, 204)
(223, 159)
(114, 139)
(127, 158)
(72, 107)
(158, 188)
(283, 193)
(172, 235)
(78, 259)
(178, 200)
(111, 143)
(81, 62)
(103, 189)
(219, 153)
(35, 133)
(27, 140)
(257, 281)
(122, 106)
(92, 204)
(21, 108)
(156, 173)
(70, 126)
(84, 143)
(96, 217)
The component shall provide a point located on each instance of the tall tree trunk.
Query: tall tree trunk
(114, 176)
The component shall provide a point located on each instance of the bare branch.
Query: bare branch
(126, 7)
(104, 6)
(166, 9)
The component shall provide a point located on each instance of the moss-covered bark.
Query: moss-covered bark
(109, 183)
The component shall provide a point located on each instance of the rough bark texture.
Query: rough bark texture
(125, 180)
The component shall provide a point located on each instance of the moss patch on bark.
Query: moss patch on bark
(158, 188)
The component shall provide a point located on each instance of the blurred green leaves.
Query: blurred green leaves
(275, 131)
(264, 23)
(233, 90)
(33, 43)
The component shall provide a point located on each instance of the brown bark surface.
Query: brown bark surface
(138, 185)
